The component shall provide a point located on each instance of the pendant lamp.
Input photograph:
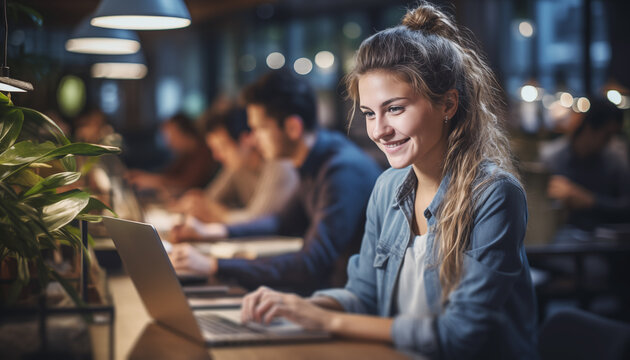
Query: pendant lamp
(129, 67)
(141, 14)
(8, 84)
(88, 39)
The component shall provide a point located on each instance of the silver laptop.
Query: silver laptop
(147, 263)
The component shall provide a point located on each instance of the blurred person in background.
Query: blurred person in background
(92, 127)
(327, 210)
(590, 177)
(247, 186)
(192, 167)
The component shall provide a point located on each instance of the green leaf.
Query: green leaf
(10, 240)
(5, 101)
(17, 156)
(44, 122)
(25, 178)
(54, 181)
(25, 152)
(64, 211)
(90, 218)
(11, 122)
(46, 242)
(72, 236)
(69, 163)
(75, 231)
(24, 274)
(96, 204)
(83, 149)
(20, 226)
(38, 201)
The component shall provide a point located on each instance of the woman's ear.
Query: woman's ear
(294, 127)
(451, 102)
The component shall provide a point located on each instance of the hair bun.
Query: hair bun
(431, 20)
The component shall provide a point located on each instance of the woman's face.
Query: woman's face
(406, 126)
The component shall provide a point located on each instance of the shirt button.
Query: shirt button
(427, 213)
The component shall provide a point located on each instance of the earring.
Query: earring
(445, 120)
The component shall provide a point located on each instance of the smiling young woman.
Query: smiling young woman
(442, 269)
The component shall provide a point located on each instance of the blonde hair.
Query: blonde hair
(434, 55)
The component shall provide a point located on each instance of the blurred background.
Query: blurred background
(553, 58)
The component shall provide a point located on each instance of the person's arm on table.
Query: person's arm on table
(188, 260)
(329, 233)
(330, 309)
(194, 230)
(265, 304)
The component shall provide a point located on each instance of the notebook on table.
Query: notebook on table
(151, 272)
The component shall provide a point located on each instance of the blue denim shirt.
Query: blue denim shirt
(492, 312)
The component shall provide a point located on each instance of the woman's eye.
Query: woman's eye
(395, 109)
(368, 114)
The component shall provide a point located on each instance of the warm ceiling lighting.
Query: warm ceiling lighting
(275, 60)
(115, 70)
(529, 93)
(102, 46)
(88, 39)
(526, 29)
(614, 96)
(141, 14)
(324, 59)
(131, 66)
(303, 66)
(583, 105)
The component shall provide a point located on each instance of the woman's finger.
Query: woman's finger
(264, 306)
(276, 310)
(247, 311)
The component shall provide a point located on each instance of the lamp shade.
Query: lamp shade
(141, 14)
(12, 85)
(132, 66)
(88, 39)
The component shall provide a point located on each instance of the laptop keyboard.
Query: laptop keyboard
(219, 325)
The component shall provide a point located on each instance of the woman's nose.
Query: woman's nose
(381, 129)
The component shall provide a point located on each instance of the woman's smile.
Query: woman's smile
(393, 146)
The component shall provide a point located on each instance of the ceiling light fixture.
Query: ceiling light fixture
(141, 14)
(88, 39)
(8, 84)
(129, 67)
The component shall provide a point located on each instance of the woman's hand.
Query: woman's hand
(265, 304)
(188, 260)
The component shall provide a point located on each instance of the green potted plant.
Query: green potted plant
(37, 160)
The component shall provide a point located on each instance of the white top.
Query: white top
(411, 296)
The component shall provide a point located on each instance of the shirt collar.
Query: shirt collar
(408, 188)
